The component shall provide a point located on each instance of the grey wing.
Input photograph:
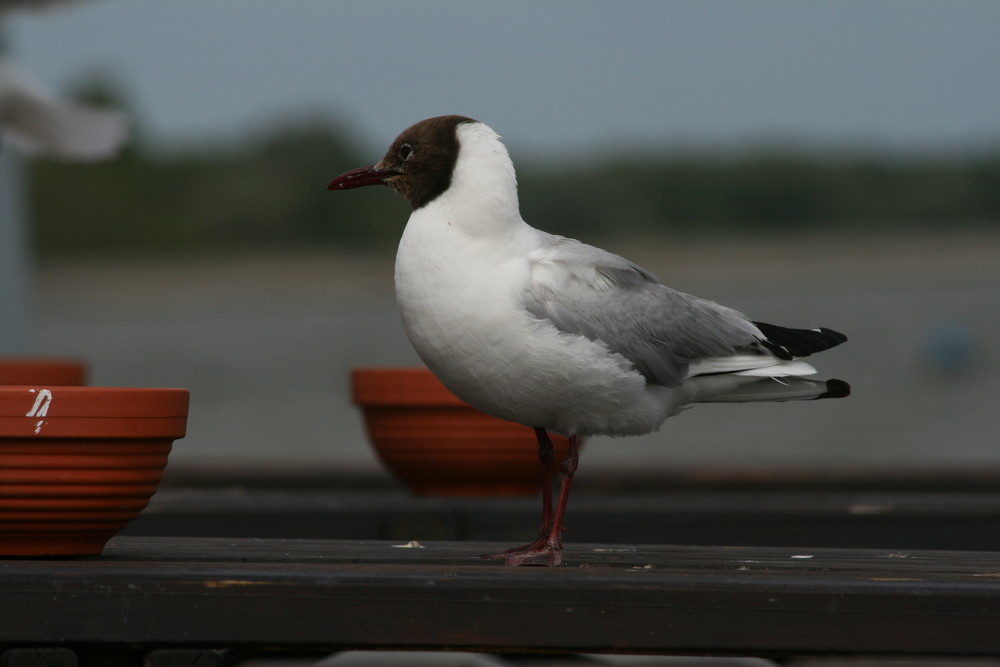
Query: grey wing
(604, 297)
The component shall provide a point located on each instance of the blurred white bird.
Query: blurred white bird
(35, 120)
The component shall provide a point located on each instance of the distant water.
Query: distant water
(265, 344)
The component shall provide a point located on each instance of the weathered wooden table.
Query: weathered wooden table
(228, 564)
(182, 597)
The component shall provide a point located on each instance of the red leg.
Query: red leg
(566, 473)
(547, 549)
(545, 457)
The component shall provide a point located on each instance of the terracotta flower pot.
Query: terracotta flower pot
(78, 463)
(47, 372)
(439, 445)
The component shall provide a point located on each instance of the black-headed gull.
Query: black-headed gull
(553, 333)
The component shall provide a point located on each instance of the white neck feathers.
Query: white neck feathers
(483, 190)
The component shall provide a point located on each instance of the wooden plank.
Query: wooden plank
(608, 480)
(868, 519)
(233, 593)
(190, 658)
(38, 657)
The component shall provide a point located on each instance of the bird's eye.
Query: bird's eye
(405, 152)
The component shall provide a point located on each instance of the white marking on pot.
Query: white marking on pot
(40, 408)
(42, 402)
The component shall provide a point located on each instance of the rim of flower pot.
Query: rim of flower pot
(48, 370)
(92, 412)
(399, 385)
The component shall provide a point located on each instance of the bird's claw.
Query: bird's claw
(542, 551)
(549, 556)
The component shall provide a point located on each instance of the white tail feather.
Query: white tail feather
(755, 365)
(782, 369)
(774, 389)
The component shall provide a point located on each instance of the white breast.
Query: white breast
(462, 307)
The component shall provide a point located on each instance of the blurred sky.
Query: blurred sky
(553, 77)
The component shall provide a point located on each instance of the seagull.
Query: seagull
(37, 121)
(551, 332)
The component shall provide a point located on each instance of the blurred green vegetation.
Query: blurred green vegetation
(765, 193)
(268, 188)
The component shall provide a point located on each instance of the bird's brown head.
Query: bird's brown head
(418, 165)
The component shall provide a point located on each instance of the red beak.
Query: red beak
(360, 177)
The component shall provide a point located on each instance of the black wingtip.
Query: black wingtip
(787, 343)
(834, 337)
(836, 389)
